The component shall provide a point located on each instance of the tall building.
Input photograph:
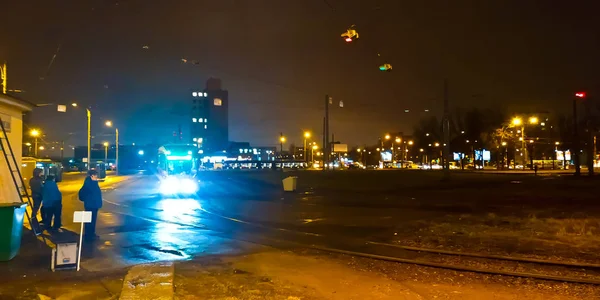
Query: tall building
(210, 117)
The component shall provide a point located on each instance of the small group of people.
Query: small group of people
(47, 199)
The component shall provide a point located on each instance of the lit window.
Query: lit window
(194, 139)
(205, 126)
(194, 120)
(200, 140)
(204, 94)
(217, 102)
(200, 120)
(194, 94)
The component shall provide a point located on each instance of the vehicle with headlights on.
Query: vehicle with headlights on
(177, 169)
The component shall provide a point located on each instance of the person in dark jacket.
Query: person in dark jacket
(91, 196)
(36, 183)
(52, 203)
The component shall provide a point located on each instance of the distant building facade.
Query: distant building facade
(210, 118)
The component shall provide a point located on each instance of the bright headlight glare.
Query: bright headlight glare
(188, 186)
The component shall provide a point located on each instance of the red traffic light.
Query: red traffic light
(580, 95)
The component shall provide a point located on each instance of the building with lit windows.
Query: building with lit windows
(210, 118)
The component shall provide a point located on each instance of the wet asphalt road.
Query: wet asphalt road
(137, 225)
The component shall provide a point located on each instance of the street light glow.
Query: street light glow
(105, 144)
(34, 133)
(282, 139)
(398, 140)
(307, 134)
(387, 136)
(315, 147)
(74, 104)
(410, 142)
(108, 123)
(533, 120)
(516, 121)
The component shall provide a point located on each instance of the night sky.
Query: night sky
(278, 59)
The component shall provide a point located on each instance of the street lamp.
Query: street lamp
(312, 153)
(516, 121)
(533, 120)
(110, 124)
(281, 141)
(35, 134)
(105, 152)
(306, 137)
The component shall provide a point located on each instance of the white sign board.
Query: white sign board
(61, 108)
(82, 217)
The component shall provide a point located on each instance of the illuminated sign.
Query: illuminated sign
(178, 157)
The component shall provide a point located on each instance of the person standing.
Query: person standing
(91, 196)
(52, 203)
(36, 183)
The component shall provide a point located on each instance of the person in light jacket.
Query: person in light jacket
(52, 203)
(91, 196)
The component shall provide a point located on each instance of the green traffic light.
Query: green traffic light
(382, 68)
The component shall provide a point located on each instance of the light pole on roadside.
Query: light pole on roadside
(35, 134)
(110, 124)
(281, 141)
(105, 152)
(306, 137)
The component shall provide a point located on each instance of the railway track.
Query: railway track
(572, 272)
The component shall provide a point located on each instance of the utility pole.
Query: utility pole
(89, 138)
(326, 146)
(281, 143)
(62, 150)
(117, 151)
(591, 149)
(576, 145)
(446, 130)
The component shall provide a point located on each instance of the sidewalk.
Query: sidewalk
(267, 273)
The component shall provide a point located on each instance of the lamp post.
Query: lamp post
(281, 141)
(518, 122)
(105, 152)
(398, 141)
(576, 144)
(312, 153)
(35, 134)
(110, 124)
(306, 137)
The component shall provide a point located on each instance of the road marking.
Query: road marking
(149, 281)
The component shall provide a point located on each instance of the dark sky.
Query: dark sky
(278, 58)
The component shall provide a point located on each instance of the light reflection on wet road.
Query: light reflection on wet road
(136, 225)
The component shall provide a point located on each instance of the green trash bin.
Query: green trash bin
(11, 229)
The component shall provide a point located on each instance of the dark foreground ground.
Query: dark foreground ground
(213, 257)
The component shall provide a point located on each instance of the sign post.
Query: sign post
(81, 217)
